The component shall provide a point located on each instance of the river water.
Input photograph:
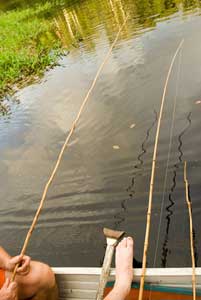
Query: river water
(103, 179)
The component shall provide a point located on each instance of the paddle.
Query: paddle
(112, 237)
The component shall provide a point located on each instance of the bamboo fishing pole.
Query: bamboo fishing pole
(65, 146)
(191, 230)
(146, 241)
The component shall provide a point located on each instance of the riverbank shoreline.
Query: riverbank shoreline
(28, 47)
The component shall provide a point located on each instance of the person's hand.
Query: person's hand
(9, 291)
(24, 264)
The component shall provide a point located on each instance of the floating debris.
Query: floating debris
(116, 147)
(198, 102)
(132, 125)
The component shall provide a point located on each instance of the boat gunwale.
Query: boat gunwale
(82, 283)
(136, 272)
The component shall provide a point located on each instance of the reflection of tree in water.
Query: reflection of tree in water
(120, 217)
(5, 105)
(169, 4)
(169, 207)
(78, 22)
(138, 166)
(191, 3)
(4, 110)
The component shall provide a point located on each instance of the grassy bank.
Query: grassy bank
(28, 45)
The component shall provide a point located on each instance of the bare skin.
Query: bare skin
(35, 280)
(9, 291)
(124, 270)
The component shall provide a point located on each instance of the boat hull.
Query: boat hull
(163, 284)
(152, 292)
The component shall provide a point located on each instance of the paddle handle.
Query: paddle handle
(105, 271)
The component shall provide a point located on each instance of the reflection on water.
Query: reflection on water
(169, 207)
(79, 25)
(137, 171)
(98, 185)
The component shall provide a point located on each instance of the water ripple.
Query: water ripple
(169, 207)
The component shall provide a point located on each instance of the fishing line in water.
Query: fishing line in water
(65, 146)
(167, 163)
(149, 210)
(168, 156)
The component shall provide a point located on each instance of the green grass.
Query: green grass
(28, 45)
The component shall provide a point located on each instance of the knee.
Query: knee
(44, 276)
(47, 277)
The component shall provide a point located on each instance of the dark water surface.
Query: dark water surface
(104, 176)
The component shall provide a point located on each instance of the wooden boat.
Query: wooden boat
(163, 284)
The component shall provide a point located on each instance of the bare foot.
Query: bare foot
(124, 266)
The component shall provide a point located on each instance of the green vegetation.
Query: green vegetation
(33, 35)
(28, 45)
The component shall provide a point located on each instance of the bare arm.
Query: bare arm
(4, 258)
(9, 291)
(8, 263)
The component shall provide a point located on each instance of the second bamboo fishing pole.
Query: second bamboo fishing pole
(149, 210)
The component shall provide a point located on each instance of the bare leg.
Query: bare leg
(51, 294)
(124, 270)
(39, 284)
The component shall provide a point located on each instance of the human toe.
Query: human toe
(123, 243)
(130, 242)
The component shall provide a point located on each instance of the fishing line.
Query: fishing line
(167, 163)
(168, 156)
(149, 210)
